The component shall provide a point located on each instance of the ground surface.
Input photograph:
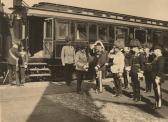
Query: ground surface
(56, 102)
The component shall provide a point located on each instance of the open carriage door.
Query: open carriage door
(48, 37)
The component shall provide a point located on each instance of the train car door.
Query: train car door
(48, 41)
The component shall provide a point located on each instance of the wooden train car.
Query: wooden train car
(44, 26)
(5, 40)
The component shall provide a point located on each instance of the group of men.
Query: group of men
(128, 66)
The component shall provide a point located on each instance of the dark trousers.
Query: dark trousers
(22, 75)
(99, 85)
(80, 76)
(117, 83)
(125, 76)
(68, 70)
(13, 74)
(148, 80)
(135, 85)
(158, 94)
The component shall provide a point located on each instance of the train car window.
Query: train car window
(92, 32)
(103, 32)
(17, 26)
(0, 44)
(48, 29)
(111, 34)
(62, 30)
(141, 36)
(81, 33)
(73, 31)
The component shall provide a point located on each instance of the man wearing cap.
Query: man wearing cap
(135, 73)
(101, 59)
(117, 69)
(13, 59)
(127, 67)
(148, 69)
(157, 77)
(81, 63)
(68, 60)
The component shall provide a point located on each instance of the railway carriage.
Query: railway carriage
(43, 27)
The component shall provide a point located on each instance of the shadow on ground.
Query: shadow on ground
(61, 103)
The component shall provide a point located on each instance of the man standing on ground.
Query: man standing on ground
(13, 66)
(68, 60)
(117, 69)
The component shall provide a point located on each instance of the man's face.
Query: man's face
(98, 48)
(116, 49)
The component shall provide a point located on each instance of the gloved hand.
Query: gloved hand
(86, 66)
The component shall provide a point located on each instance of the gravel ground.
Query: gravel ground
(97, 107)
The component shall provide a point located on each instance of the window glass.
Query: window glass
(49, 29)
(92, 32)
(103, 32)
(1, 44)
(62, 30)
(141, 36)
(81, 32)
(111, 34)
(73, 31)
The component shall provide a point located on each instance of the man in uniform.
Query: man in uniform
(127, 67)
(135, 73)
(117, 69)
(157, 77)
(101, 60)
(68, 60)
(81, 63)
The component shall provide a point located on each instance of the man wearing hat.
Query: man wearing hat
(81, 63)
(136, 73)
(101, 59)
(157, 76)
(118, 68)
(13, 59)
(127, 67)
(68, 60)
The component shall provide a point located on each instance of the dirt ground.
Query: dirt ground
(56, 102)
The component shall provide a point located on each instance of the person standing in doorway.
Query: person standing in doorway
(68, 60)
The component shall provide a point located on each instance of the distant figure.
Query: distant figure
(68, 60)
(157, 76)
(81, 63)
(22, 65)
(13, 61)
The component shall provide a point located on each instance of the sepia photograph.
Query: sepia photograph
(83, 61)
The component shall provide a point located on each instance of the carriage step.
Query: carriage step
(39, 75)
(39, 69)
(37, 63)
